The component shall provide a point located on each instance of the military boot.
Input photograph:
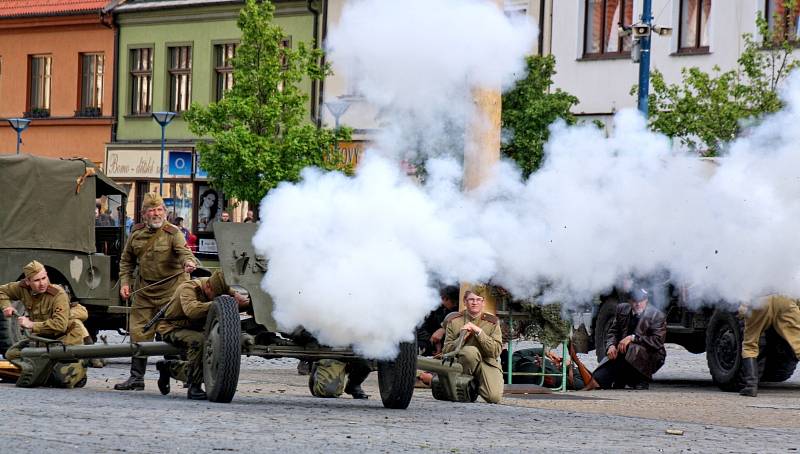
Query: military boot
(357, 372)
(97, 363)
(163, 368)
(750, 373)
(195, 392)
(136, 381)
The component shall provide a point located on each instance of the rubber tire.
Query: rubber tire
(396, 378)
(605, 315)
(724, 350)
(778, 357)
(222, 353)
(10, 333)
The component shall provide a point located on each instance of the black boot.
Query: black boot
(136, 380)
(163, 376)
(750, 373)
(196, 392)
(357, 372)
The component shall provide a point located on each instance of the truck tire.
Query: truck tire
(222, 353)
(396, 378)
(778, 357)
(10, 333)
(605, 315)
(724, 350)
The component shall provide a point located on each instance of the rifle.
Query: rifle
(159, 315)
(586, 376)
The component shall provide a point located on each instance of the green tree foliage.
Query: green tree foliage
(259, 130)
(705, 111)
(529, 109)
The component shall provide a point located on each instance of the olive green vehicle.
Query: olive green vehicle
(47, 213)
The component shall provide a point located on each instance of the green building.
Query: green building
(172, 53)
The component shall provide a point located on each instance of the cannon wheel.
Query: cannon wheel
(396, 378)
(222, 352)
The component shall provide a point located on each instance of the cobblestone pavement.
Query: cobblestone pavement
(273, 411)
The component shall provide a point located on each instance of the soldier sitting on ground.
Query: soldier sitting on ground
(329, 378)
(183, 326)
(49, 309)
(634, 346)
(779, 312)
(481, 346)
(77, 316)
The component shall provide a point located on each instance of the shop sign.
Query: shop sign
(145, 163)
(207, 245)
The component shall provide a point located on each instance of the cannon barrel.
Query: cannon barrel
(60, 352)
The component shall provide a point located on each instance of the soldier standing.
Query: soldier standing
(157, 249)
(781, 313)
(49, 309)
(183, 325)
(481, 348)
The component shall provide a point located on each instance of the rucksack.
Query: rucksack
(327, 378)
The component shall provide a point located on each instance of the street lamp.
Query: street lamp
(163, 119)
(337, 109)
(19, 125)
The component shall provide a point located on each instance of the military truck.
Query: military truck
(47, 213)
(703, 326)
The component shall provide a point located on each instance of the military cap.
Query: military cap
(151, 200)
(218, 284)
(639, 294)
(32, 269)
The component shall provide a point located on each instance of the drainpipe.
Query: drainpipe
(541, 28)
(316, 99)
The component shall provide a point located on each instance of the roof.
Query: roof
(126, 6)
(22, 8)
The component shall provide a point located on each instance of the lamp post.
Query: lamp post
(337, 109)
(19, 125)
(163, 119)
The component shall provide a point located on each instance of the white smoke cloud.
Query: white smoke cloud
(355, 259)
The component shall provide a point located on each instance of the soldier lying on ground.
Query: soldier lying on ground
(183, 326)
(49, 309)
(634, 346)
(481, 348)
(779, 312)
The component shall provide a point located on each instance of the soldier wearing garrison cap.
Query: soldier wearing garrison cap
(157, 251)
(183, 326)
(482, 345)
(48, 309)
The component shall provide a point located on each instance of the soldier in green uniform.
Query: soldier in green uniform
(157, 250)
(183, 325)
(482, 345)
(48, 307)
(783, 314)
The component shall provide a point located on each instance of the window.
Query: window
(603, 18)
(782, 21)
(693, 29)
(180, 78)
(286, 43)
(223, 68)
(141, 81)
(92, 66)
(39, 95)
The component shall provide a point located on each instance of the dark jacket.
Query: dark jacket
(647, 352)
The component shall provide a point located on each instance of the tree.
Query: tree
(705, 111)
(529, 109)
(259, 131)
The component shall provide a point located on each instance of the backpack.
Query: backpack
(327, 378)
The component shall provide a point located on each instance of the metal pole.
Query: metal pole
(644, 59)
(19, 139)
(161, 177)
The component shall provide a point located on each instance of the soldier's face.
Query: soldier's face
(474, 303)
(38, 282)
(154, 217)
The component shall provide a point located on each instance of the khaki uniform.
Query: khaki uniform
(158, 254)
(49, 312)
(77, 315)
(776, 311)
(183, 326)
(479, 354)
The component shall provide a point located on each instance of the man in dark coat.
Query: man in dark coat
(634, 346)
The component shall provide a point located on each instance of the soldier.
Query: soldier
(49, 309)
(481, 348)
(159, 251)
(783, 314)
(183, 325)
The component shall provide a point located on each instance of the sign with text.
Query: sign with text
(144, 163)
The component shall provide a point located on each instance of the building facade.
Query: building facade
(173, 53)
(56, 69)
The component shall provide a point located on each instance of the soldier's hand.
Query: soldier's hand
(189, 266)
(437, 336)
(623, 344)
(25, 322)
(473, 328)
(612, 353)
(125, 292)
(8, 311)
(241, 300)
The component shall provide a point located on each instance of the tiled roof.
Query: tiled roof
(21, 8)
